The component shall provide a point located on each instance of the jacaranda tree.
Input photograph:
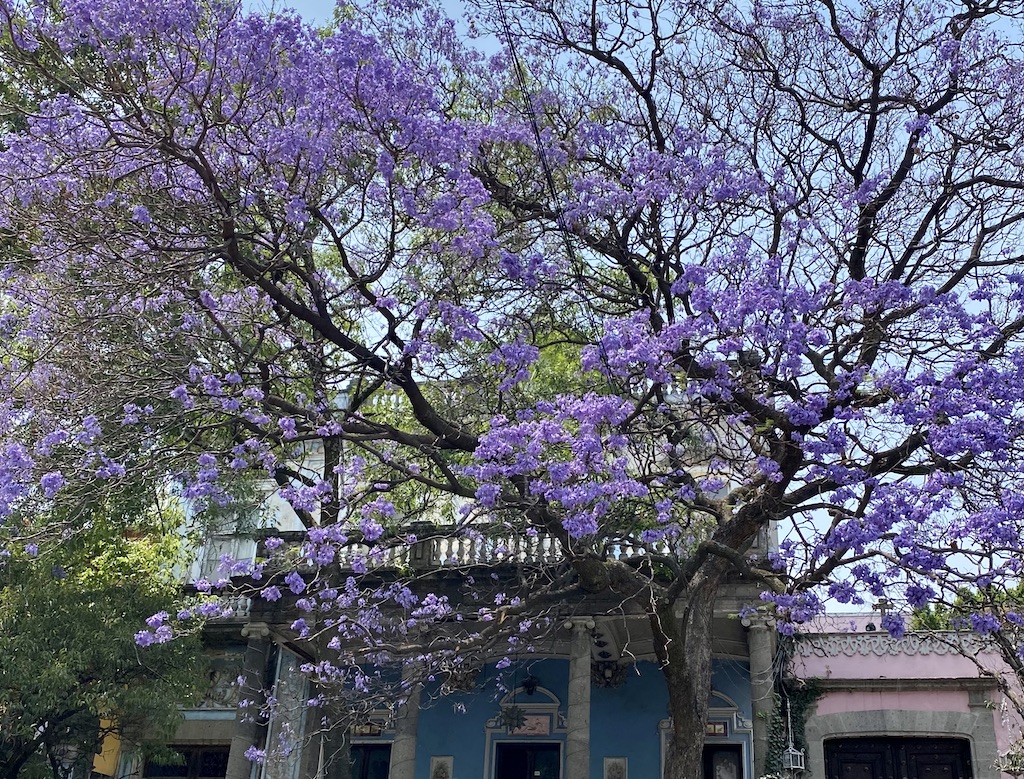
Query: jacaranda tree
(662, 272)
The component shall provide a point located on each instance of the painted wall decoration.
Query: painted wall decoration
(441, 766)
(615, 768)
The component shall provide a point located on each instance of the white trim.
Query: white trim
(519, 697)
(490, 767)
(541, 702)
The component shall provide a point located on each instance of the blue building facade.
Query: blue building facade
(588, 701)
(463, 735)
(527, 722)
(584, 708)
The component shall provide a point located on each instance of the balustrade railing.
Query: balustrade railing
(457, 550)
(439, 550)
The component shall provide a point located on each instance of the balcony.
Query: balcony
(439, 548)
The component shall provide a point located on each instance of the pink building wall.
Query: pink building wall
(919, 685)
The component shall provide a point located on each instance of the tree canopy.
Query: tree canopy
(658, 276)
(72, 672)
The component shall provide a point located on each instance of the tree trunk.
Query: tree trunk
(13, 766)
(683, 632)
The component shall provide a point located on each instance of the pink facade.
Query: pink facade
(916, 689)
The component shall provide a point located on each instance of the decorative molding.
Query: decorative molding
(542, 698)
(223, 690)
(377, 724)
(543, 722)
(739, 732)
(615, 768)
(441, 766)
(537, 711)
(884, 684)
(580, 624)
(518, 721)
(608, 674)
(256, 630)
(738, 724)
(884, 645)
(367, 729)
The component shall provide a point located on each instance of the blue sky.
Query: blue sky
(317, 11)
(321, 11)
(314, 10)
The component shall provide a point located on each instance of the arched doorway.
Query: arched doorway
(909, 757)
(527, 741)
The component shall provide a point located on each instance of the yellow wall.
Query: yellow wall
(106, 761)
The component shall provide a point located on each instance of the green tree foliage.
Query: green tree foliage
(71, 672)
(985, 624)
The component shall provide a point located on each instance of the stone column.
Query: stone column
(403, 748)
(336, 749)
(577, 747)
(312, 748)
(762, 687)
(250, 689)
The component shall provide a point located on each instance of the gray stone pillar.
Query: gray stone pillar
(760, 642)
(312, 748)
(403, 748)
(336, 749)
(247, 718)
(317, 735)
(577, 739)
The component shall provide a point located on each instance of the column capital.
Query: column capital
(580, 624)
(758, 621)
(255, 630)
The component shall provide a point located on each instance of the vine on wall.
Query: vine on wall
(800, 695)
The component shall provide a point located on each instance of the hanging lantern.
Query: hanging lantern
(793, 758)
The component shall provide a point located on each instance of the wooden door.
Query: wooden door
(723, 761)
(898, 758)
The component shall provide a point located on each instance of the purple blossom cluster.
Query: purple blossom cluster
(571, 454)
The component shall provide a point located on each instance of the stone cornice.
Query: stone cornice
(885, 684)
(883, 645)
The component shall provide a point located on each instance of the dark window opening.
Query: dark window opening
(196, 763)
(527, 761)
(370, 761)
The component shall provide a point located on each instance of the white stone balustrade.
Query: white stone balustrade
(448, 551)
(479, 550)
